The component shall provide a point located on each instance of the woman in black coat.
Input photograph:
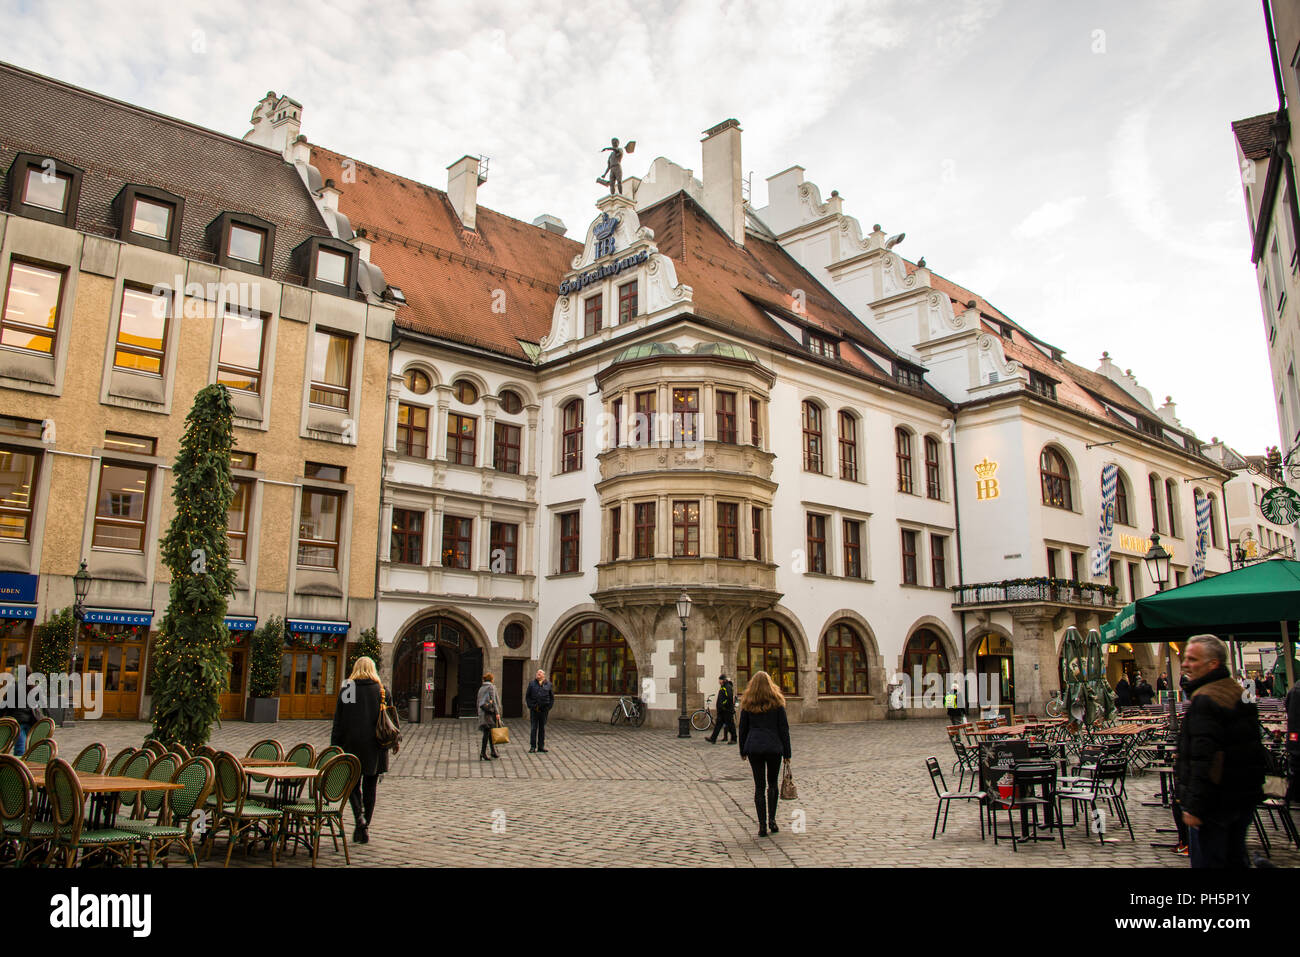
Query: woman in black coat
(764, 740)
(355, 715)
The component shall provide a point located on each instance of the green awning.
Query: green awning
(1247, 604)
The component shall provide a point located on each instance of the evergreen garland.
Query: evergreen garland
(368, 647)
(265, 648)
(191, 656)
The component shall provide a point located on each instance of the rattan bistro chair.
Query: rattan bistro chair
(329, 797)
(268, 748)
(43, 752)
(241, 818)
(120, 760)
(946, 798)
(20, 833)
(42, 730)
(71, 836)
(181, 811)
(154, 745)
(8, 734)
(136, 767)
(151, 802)
(91, 759)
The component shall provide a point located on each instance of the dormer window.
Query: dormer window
(150, 217)
(242, 242)
(327, 265)
(821, 345)
(907, 376)
(46, 190)
(1042, 384)
(331, 267)
(43, 188)
(246, 244)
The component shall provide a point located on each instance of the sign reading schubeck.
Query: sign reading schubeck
(14, 587)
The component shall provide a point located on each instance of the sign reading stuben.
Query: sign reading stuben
(14, 587)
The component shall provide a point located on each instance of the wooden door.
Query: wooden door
(512, 687)
(308, 684)
(471, 677)
(232, 702)
(116, 667)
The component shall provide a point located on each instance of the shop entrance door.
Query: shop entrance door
(232, 702)
(308, 683)
(116, 667)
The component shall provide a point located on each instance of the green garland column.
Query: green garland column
(192, 665)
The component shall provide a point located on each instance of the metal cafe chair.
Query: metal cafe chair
(1033, 789)
(946, 798)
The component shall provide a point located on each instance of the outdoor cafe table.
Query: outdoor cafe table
(285, 777)
(1006, 731)
(247, 763)
(103, 789)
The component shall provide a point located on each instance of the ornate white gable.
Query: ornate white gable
(618, 250)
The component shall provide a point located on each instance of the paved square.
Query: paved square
(640, 797)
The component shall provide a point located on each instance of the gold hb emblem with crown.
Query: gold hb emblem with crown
(987, 486)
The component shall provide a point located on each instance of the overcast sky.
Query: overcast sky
(1073, 163)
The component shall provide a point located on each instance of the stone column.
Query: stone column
(1034, 653)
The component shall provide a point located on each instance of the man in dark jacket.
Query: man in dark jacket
(1220, 766)
(540, 697)
(1144, 693)
(726, 722)
(1123, 692)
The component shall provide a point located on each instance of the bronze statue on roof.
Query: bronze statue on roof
(613, 177)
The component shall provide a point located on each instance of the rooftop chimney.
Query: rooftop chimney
(552, 224)
(277, 122)
(463, 181)
(723, 180)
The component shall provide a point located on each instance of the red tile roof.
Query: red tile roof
(740, 285)
(116, 143)
(1255, 135)
(450, 275)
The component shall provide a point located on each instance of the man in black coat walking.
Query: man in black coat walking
(1293, 741)
(540, 697)
(726, 722)
(1221, 761)
(1123, 693)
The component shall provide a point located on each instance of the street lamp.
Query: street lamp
(1157, 562)
(81, 588)
(684, 613)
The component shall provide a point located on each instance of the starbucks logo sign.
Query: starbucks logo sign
(1281, 506)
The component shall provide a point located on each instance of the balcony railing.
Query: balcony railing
(1019, 591)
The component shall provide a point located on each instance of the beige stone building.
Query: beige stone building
(141, 259)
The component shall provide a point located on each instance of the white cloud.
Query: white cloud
(1049, 217)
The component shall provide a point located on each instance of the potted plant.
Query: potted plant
(265, 647)
(53, 651)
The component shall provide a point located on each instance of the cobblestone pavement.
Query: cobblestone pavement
(607, 796)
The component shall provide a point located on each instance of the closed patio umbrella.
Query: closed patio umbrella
(1073, 679)
(1100, 699)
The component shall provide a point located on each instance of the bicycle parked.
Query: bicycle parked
(702, 719)
(630, 710)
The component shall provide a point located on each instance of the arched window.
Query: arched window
(1214, 520)
(593, 658)
(1121, 499)
(903, 453)
(1153, 482)
(933, 473)
(924, 650)
(848, 447)
(768, 648)
(465, 391)
(842, 668)
(1171, 502)
(511, 404)
(1055, 474)
(812, 437)
(417, 381)
(572, 451)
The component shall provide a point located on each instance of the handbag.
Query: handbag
(500, 734)
(788, 791)
(388, 732)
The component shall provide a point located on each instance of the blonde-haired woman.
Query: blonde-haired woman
(764, 740)
(355, 715)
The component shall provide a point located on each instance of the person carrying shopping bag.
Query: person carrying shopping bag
(489, 715)
(764, 741)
